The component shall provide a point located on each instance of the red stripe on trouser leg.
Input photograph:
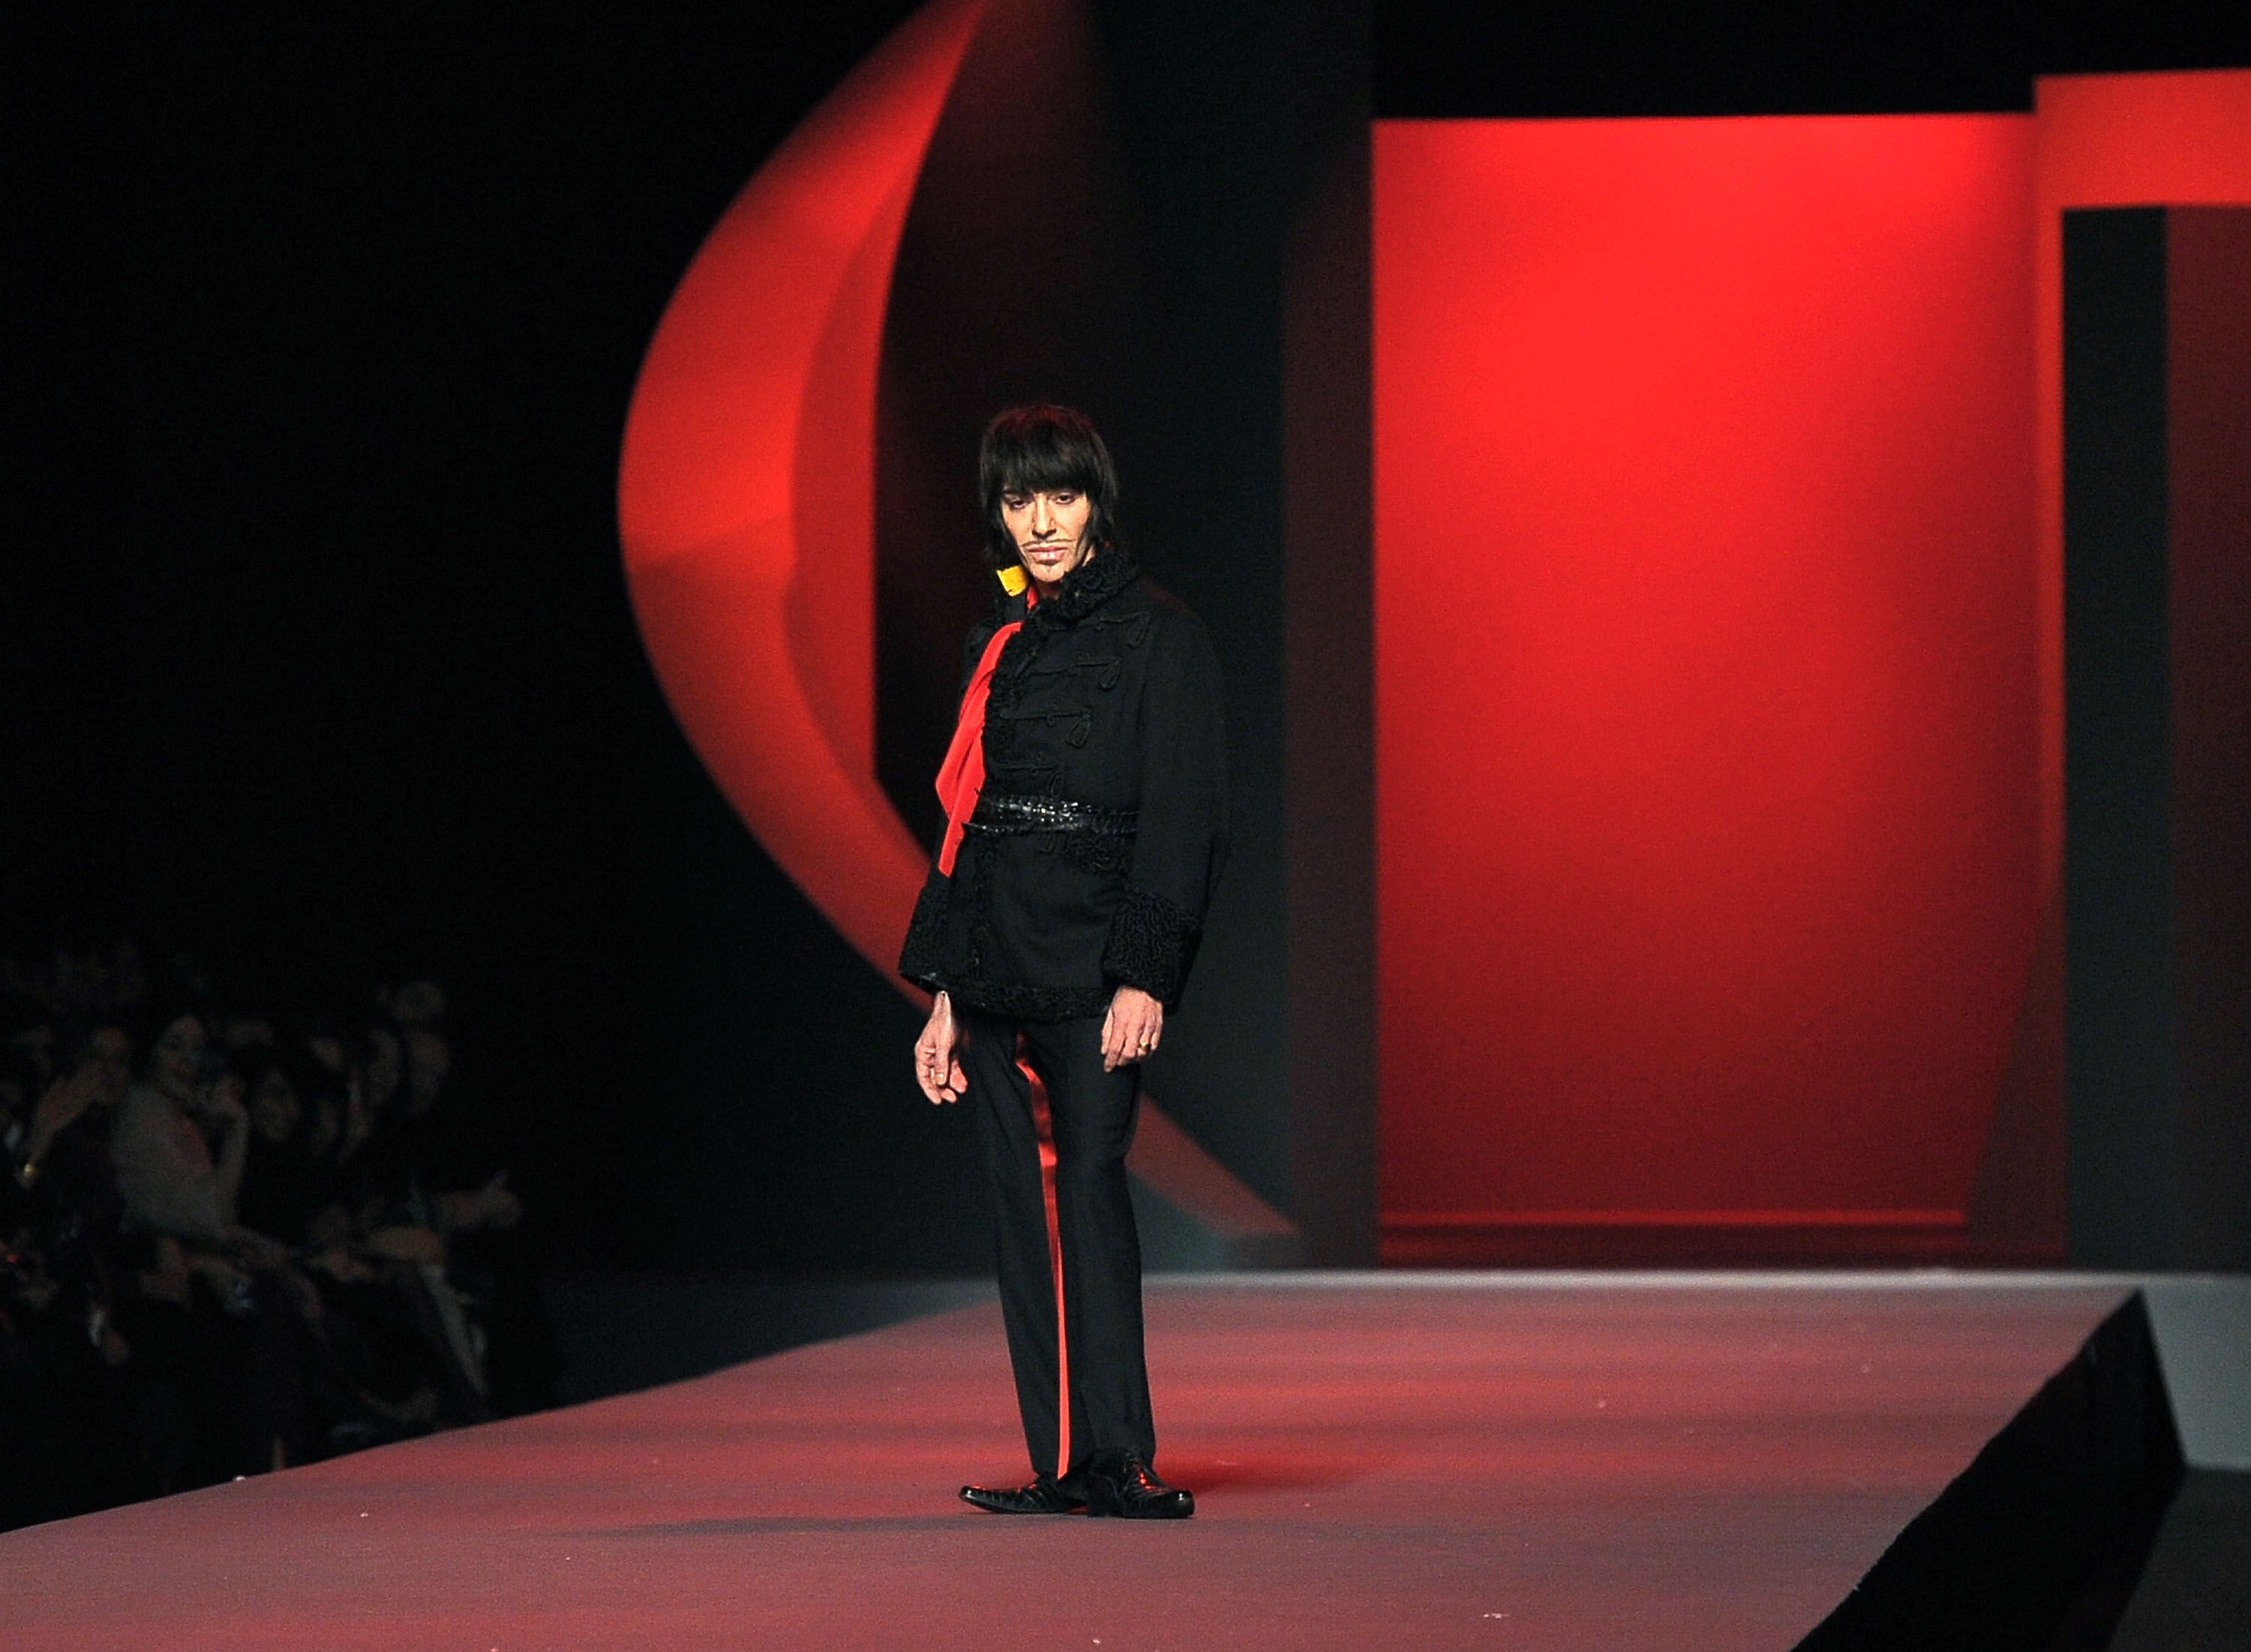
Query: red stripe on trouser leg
(1043, 1124)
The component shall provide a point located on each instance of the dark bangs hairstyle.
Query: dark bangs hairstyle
(1044, 448)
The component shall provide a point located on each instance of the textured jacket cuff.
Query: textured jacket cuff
(1152, 944)
(919, 957)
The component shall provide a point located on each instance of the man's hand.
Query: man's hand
(1132, 1029)
(938, 1066)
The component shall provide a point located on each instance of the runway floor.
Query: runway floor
(1536, 1462)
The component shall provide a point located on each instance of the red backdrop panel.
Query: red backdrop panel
(1707, 691)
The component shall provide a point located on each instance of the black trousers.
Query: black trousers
(1055, 1129)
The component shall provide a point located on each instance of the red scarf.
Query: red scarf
(961, 777)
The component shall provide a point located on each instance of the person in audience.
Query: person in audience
(457, 1163)
(180, 1145)
(67, 1180)
(195, 1416)
(259, 1249)
(60, 1455)
(286, 1188)
(180, 1140)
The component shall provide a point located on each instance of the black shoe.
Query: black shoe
(1128, 1488)
(1044, 1495)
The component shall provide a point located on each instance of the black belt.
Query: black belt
(1004, 813)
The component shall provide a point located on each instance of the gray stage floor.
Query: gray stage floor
(1485, 1461)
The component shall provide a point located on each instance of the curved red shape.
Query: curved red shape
(746, 488)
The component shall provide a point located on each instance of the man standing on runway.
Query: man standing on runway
(1085, 793)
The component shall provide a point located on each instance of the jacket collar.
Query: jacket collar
(1083, 589)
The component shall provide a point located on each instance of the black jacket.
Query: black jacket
(1110, 697)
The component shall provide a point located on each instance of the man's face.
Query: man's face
(177, 1050)
(1049, 529)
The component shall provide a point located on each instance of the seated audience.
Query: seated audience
(271, 1246)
